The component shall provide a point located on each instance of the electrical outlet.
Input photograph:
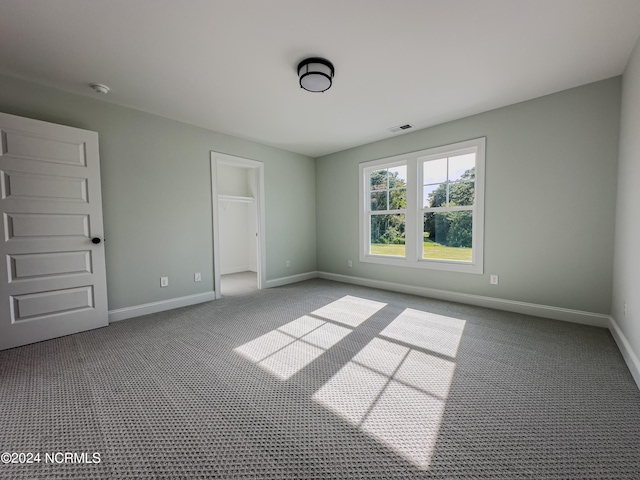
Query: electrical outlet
(349, 263)
(287, 264)
(197, 277)
(493, 279)
(164, 281)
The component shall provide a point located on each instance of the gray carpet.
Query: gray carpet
(320, 380)
(235, 284)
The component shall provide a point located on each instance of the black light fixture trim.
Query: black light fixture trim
(307, 74)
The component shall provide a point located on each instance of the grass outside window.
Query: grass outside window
(431, 250)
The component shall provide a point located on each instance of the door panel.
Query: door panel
(41, 265)
(31, 186)
(48, 225)
(42, 147)
(54, 279)
(48, 304)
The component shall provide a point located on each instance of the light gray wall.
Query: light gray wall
(551, 178)
(550, 200)
(626, 276)
(157, 194)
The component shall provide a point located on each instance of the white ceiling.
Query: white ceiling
(230, 65)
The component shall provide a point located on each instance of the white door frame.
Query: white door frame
(224, 159)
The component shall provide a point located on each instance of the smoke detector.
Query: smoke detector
(100, 88)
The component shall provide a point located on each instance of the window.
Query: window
(425, 209)
(388, 209)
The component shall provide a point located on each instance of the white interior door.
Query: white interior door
(53, 279)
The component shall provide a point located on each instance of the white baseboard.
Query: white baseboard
(301, 277)
(625, 348)
(545, 311)
(230, 270)
(161, 306)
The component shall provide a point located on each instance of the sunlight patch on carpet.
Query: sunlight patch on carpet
(289, 348)
(396, 388)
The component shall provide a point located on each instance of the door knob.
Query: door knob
(95, 240)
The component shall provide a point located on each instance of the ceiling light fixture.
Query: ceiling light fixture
(100, 88)
(315, 74)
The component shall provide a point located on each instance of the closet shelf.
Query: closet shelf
(236, 198)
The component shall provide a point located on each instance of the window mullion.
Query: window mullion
(411, 225)
(388, 212)
(388, 191)
(462, 208)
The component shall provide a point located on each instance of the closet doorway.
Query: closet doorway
(237, 186)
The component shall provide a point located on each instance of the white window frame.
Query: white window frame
(415, 210)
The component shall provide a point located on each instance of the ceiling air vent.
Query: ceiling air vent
(400, 128)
